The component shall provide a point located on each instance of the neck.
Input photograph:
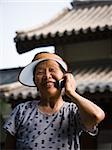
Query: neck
(50, 105)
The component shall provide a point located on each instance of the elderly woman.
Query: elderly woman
(51, 123)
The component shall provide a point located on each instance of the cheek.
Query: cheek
(60, 75)
(37, 80)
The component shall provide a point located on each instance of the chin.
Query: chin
(52, 92)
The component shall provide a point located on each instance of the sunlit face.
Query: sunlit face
(47, 73)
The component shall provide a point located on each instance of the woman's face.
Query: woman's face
(47, 74)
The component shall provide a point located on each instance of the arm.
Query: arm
(90, 113)
(10, 143)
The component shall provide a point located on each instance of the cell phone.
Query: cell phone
(61, 83)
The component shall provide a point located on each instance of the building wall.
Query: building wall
(89, 50)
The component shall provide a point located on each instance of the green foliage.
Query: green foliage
(5, 108)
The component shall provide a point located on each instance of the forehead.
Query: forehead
(48, 63)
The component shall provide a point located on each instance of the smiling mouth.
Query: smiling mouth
(48, 84)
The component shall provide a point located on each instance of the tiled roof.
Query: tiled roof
(80, 19)
(17, 90)
(88, 80)
(94, 79)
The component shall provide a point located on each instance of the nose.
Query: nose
(47, 74)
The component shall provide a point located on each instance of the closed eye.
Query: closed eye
(39, 72)
(52, 69)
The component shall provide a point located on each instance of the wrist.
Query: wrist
(72, 94)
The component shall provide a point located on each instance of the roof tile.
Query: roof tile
(79, 18)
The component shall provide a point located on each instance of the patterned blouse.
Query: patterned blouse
(35, 130)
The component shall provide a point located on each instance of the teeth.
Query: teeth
(49, 83)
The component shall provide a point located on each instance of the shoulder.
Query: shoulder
(23, 107)
(28, 104)
(70, 106)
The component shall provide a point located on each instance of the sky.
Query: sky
(16, 15)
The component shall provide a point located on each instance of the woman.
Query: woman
(51, 123)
